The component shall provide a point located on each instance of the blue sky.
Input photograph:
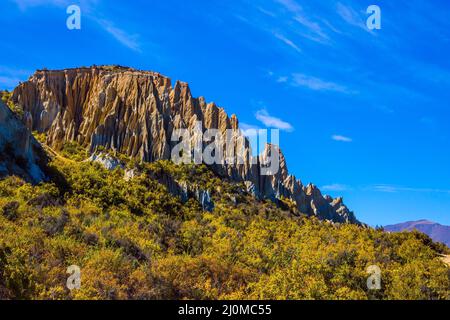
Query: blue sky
(363, 114)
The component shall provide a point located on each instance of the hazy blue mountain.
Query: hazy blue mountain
(436, 231)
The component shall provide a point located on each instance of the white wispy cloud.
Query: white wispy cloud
(128, 40)
(313, 83)
(394, 189)
(352, 17)
(266, 12)
(287, 41)
(86, 5)
(282, 79)
(8, 82)
(427, 121)
(290, 5)
(24, 4)
(335, 187)
(340, 138)
(313, 29)
(384, 108)
(318, 35)
(249, 130)
(10, 77)
(16, 72)
(385, 188)
(331, 27)
(273, 122)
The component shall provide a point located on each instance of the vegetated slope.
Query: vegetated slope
(135, 113)
(436, 231)
(133, 239)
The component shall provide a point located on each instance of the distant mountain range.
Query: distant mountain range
(435, 230)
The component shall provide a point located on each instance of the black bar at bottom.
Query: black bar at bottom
(225, 309)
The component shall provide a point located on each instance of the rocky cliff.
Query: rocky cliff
(20, 154)
(136, 112)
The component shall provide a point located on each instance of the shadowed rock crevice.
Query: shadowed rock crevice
(20, 153)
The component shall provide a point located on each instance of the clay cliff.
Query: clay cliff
(20, 153)
(135, 113)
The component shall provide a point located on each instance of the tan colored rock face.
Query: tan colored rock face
(135, 113)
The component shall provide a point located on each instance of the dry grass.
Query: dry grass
(446, 259)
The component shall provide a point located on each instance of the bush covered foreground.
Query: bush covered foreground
(134, 240)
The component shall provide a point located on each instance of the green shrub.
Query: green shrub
(134, 240)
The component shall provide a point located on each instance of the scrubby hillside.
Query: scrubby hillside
(133, 239)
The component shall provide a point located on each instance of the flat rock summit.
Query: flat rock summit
(135, 113)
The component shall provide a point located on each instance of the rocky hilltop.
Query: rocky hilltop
(135, 113)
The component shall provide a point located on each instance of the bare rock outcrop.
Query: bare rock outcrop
(20, 153)
(136, 112)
